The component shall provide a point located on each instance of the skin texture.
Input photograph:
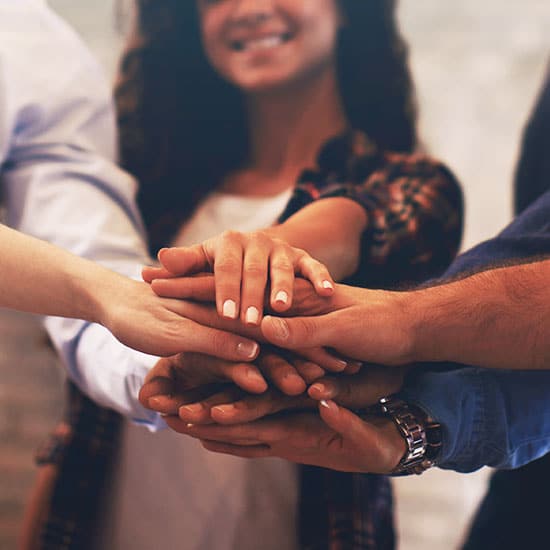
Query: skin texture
(502, 315)
(311, 25)
(40, 278)
(281, 125)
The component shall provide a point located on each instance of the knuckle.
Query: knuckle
(230, 235)
(255, 269)
(282, 264)
(228, 264)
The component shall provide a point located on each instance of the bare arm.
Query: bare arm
(38, 277)
(330, 230)
(498, 318)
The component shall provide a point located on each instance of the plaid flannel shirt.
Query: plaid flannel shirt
(414, 208)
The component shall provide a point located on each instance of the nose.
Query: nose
(250, 13)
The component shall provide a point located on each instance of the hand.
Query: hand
(355, 391)
(190, 377)
(336, 439)
(375, 326)
(202, 382)
(242, 264)
(159, 326)
(306, 302)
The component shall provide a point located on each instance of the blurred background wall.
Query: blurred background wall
(478, 66)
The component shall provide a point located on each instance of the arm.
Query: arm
(40, 278)
(330, 230)
(62, 185)
(499, 318)
(243, 263)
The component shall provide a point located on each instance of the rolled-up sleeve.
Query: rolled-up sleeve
(61, 183)
(489, 417)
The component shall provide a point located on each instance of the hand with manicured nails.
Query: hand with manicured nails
(333, 438)
(244, 265)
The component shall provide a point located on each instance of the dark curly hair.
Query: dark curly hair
(182, 127)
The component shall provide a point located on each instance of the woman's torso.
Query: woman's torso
(167, 491)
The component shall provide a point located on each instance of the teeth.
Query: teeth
(261, 43)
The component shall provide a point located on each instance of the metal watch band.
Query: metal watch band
(421, 435)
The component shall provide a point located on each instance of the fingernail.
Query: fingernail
(252, 315)
(248, 350)
(153, 402)
(230, 309)
(328, 284)
(281, 297)
(224, 409)
(193, 408)
(342, 364)
(324, 404)
(281, 328)
(319, 388)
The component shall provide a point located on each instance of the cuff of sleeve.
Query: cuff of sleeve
(455, 399)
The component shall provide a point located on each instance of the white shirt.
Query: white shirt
(244, 504)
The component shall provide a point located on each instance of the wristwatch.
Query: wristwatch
(422, 435)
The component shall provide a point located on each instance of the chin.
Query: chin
(266, 83)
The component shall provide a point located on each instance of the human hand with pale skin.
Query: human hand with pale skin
(176, 381)
(245, 266)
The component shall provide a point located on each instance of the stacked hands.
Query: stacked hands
(290, 397)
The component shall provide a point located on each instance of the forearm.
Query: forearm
(40, 278)
(498, 318)
(330, 230)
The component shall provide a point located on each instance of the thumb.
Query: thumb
(184, 260)
(347, 424)
(298, 332)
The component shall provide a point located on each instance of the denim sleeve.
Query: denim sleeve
(489, 417)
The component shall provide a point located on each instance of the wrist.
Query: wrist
(102, 296)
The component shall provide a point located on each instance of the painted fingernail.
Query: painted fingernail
(229, 309)
(328, 285)
(252, 315)
(280, 327)
(281, 297)
(324, 404)
(249, 350)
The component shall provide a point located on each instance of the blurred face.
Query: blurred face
(260, 45)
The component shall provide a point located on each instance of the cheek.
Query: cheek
(212, 39)
(320, 23)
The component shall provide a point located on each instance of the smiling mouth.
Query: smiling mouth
(259, 44)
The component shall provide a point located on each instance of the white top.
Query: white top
(168, 492)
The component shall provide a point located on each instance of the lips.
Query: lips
(265, 42)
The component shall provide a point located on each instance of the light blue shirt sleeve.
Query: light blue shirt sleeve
(61, 184)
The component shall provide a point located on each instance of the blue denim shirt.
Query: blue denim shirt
(498, 418)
